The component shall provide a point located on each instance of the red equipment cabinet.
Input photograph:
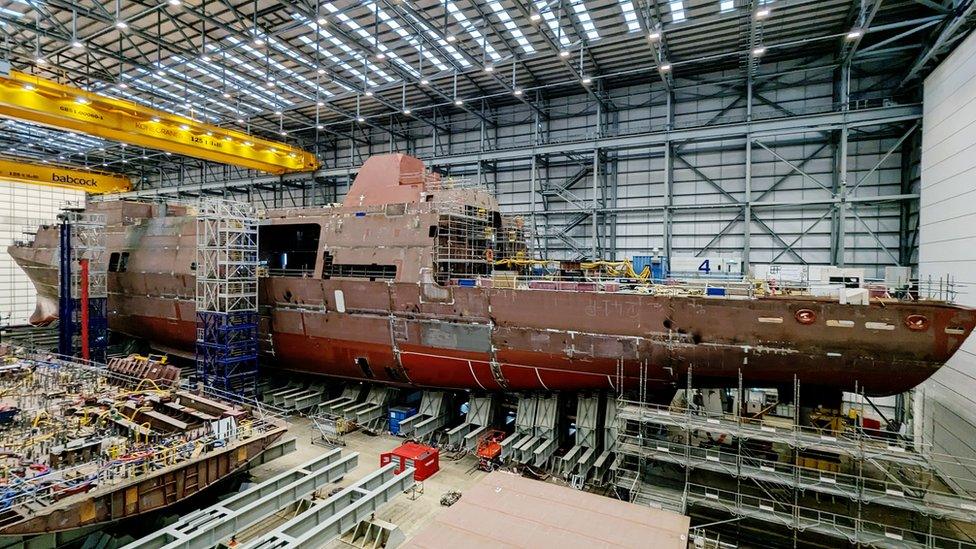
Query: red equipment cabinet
(424, 459)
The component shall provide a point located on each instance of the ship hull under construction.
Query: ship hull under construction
(416, 331)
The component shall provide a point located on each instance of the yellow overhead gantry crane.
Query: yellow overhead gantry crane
(56, 176)
(33, 99)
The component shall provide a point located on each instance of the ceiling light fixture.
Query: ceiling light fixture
(321, 103)
(654, 35)
(762, 13)
(81, 100)
(175, 2)
(320, 127)
(40, 60)
(451, 38)
(258, 42)
(321, 70)
(369, 93)
(121, 25)
(406, 111)
(184, 127)
(489, 69)
(360, 119)
(586, 80)
(759, 50)
(123, 85)
(424, 82)
(535, 16)
(283, 132)
(240, 121)
(29, 87)
(77, 44)
(226, 95)
(564, 54)
(381, 56)
(278, 112)
(665, 67)
(854, 34)
(205, 58)
(323, 21)
(458, 102)
(517, 92)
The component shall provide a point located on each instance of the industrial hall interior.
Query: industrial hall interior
(425, 274)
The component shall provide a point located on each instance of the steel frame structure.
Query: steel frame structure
(227, 295)
(82, 286)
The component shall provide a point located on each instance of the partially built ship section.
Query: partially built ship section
(83, 445)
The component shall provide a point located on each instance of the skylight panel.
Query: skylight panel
(585, 21)
(279, 100)
(246, 86)
(472, 30)
(283, 69)
(513, 29)
(340, 44)
(444, 44)
(726, 5)
(630, 15)
(677, 10)
(349, 68)
(366, 35)
(397, 28)
(543, 7)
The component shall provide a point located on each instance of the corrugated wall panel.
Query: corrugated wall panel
(946, 404)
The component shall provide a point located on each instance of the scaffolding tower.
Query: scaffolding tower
(82, 288)
(227, 295)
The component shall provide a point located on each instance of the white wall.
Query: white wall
(24, 207)
(945, 406)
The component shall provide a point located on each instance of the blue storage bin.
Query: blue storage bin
(398, 414)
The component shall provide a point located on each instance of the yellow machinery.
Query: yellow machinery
(84, 180)
(33, 99)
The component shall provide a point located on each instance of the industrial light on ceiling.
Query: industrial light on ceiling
(586, 80)
(368, 93)
(29, 87)
(258, 41)
(226, 95)
(517, 92)
(319, 127)
(205, 58)
(424, 82)
(321, 103)
(320, 70)
(654, 35)
(535, 16)
(175, 2)
(322, 21)
(381, 56)
(489, 68)
(458, 102)
(564, 54)
(451, 38)
(270, 83)
(762, 13)
(283, 132)
(121, 25)
(406, 111)
(77, 44)
(123, 85)
(240, 121)
(665, 67)
(40, 60)
(184, 127)
(758, 50)
(81, 100)
(278, 112)
(360, 119)
(855, 34)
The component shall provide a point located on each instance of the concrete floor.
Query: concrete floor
(409, 515)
